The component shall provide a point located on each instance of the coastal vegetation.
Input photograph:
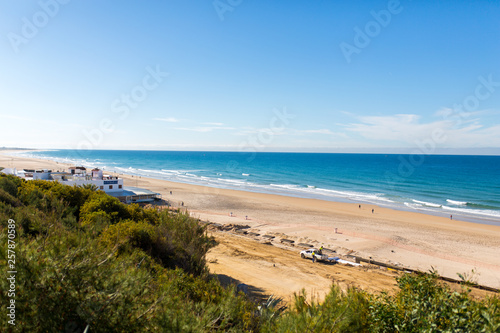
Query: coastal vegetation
(85, 261)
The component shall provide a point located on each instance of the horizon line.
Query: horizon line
(486, 151)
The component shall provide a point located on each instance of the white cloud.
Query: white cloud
(213, 124)
(203, 129)
(313, 131)
(254, 131)
(408, 129)
(168, 120)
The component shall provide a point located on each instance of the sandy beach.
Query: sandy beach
(410, 239)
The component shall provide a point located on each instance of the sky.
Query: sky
(240, 75)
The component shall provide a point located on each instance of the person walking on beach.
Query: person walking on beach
(451, 217)
(314, 257)
(373, 210)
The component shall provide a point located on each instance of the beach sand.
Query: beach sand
(410, 239)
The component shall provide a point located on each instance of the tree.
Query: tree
(91, 187)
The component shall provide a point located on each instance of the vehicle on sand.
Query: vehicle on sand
(308, 254)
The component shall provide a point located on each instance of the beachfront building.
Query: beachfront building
(78, 176)
(28, 174)
(77, 170)
(104, 183)
(131, 194)
(75, 176)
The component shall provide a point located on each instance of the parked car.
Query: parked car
(308, 254)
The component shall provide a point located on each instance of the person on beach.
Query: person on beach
(359, 206)
(373, 210)
(314, 257)
(451, 217)
(320, 250)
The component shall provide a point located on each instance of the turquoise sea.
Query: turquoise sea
(467, 187)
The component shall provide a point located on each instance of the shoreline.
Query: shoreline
(413, 239)
(461, 214)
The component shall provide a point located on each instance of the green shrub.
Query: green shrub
(10, 184)
(73, 196)
(137, 213)
(84, 260)
(101, 205)
(339, 312)
(105, 271)
(127, 235)
(64, 281)
(9, 198)
(423, 304)
(181, 242)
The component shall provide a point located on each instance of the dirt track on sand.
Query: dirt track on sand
(279, 270)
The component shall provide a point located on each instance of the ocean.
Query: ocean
(467, 187)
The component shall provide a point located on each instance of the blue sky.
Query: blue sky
(326, 76)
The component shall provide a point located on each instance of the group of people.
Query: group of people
(320, 251)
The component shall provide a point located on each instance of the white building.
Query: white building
(77, 170)
(29, 174)
(79, 177)
(76, 176)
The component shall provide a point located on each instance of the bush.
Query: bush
(423, 304)
(340, 312)
(9, 198)
(108, 267)
(66, 282)
(181, 243)
(10, 184)
(102, 206)
(149, 215)
(127, 235)
(106, 271)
